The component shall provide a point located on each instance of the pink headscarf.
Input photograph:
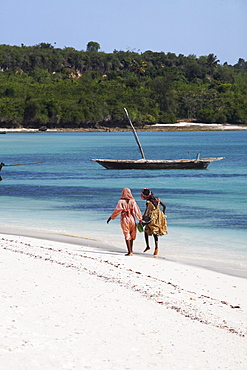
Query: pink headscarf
(126, 194)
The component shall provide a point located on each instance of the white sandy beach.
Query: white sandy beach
(197, 126)
(65, 306)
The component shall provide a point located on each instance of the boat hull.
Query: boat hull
(181, 164)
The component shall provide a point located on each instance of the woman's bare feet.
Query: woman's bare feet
(129, 254)
(146, 249)
(156, 252)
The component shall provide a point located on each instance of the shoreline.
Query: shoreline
(61, 301)
(180, 126)
(217, 266)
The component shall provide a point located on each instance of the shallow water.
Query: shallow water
(69, 194)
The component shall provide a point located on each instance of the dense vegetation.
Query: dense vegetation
(42, 85)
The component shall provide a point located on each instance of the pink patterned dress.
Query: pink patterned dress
(128, 209)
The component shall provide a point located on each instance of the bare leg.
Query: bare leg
(156, 251)
(129, 244)
(147, 243)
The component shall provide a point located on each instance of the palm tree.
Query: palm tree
(138, 66)
(212, 62)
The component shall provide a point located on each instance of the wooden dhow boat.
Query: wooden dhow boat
(147, 164)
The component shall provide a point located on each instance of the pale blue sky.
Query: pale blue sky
(186, 27)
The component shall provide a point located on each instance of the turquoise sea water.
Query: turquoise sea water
(69, 194)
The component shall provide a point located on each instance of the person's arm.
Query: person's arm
(164, 206)
(118, 209)
(146, 210)
(137, 212)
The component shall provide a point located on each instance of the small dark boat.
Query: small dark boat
(16, 164)
(147, 164)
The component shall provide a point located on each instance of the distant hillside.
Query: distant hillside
(45, 86)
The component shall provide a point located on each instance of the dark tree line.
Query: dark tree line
(43, 85)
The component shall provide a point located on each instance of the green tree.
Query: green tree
(31, 111)
(93, 46)
(138, 66)
(212, 63)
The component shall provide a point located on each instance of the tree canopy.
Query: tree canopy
(43, 85)
(93, 46)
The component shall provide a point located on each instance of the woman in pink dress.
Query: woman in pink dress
(129, 209)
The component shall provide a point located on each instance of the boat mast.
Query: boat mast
(135, 134)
